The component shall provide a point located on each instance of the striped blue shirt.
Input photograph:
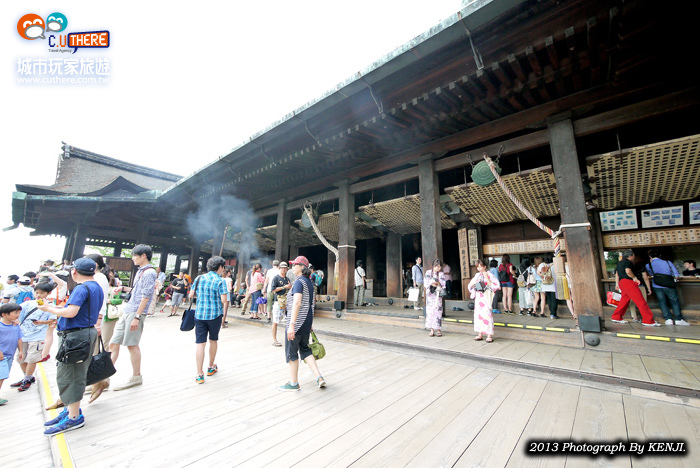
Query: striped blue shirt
(210, 287)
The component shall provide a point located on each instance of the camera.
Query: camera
(432, 289)
(480, 286)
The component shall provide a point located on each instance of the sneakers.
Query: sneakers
(619, 321)
(67, 424)
(320, 381)
(288, 387)
(134, 381)
(212, 370)
(417, 308)
(19, 384)
(59, 418)
(669, 322)
(554, 317)
(495, 311)
(200, 379)
(636, 320)
(521, 313)
(652, 324)
(682, 322)
(2, 401)
(25, 386)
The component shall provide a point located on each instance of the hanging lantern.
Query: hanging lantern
(482, 175)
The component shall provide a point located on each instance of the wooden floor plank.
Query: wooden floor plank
(629, 366)
(598, 362)
(553, 418)
(542, 354)
(599, 416)
(516, 351)
(670, 372)
(505, 427)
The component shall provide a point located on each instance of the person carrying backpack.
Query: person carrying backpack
(20, 292)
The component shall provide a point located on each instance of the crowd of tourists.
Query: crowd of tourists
(80, 302)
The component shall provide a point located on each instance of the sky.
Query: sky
(187, 82)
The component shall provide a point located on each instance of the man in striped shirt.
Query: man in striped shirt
(300, 313)
(210, 290)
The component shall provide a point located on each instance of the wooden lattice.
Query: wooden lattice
(329, 225)
(536, 190)
(402, 215)
(666, 171)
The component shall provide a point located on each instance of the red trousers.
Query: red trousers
(631, 292)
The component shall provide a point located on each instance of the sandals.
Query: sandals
(489, 340)
(478, 338)
(432, 333)
(57, 404)
(277, 344)
(438, 334)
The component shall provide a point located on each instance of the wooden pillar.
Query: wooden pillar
(431, 225)
(178, 265)
(346, 245)
(394, 263)
(580, 254)
(117, 250)
(330, 274)
(293, 252)
(193, 269)
(68, 249)
(284, 218)
(243, 261)
(78, 243)
(163, 261)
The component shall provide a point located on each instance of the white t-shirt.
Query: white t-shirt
(269, 276)
(229, 283)
(102, 280)
(359, 274)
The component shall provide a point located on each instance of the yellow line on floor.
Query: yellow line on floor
(516, 325)
(66, 459)
(657, 338)
(686, 340)
(627, 335)
(556, 329)
(533, 327)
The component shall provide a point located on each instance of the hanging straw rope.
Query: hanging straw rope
(329, 246)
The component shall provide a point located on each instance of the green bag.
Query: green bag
(116, 301)
(317, 348)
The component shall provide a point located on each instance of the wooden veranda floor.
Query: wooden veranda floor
(381, 407)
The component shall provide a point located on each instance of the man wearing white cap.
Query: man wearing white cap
(280, 286)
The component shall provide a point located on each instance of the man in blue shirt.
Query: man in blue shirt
(211, 291)
(417, 276)
(665, 294)
(75, 321)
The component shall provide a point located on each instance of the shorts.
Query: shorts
(5, 366)
(507, 284)
(299, 346)
(271, 297)
(277, 313)
(122, 331)
(71, 378)
(202, 328)
(254, 298)
(32, 352)
(177, 299)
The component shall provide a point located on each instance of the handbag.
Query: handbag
(547, 277)
(661, 279)
(187, 322)
(613, 298)
(101, 366)
(317, 348)
(114, 312)
(413, 294)
(531, 278)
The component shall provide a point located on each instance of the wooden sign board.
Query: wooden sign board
(463, 240)
(538, 246)
(646, 238)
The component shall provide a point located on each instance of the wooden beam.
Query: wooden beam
(431, 224)
(346, 245)
(394, 264)
(282, 235)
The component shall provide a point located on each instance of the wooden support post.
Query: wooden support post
(178, 265)
(330, 274)
(118, 250)
(293, 252)
(78, 243)
(193, 269)
(394, 263)
(243, 261)
(585, 278)
(163, 264)
(68, 249)
(346, 245)
(284, 217)
(431, 225)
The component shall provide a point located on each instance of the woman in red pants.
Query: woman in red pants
(628, 284)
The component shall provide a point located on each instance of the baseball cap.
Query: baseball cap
(283, 265)
(300, 260)
(24, 279)
(85, 265)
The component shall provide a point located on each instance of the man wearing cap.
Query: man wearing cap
(280, 286)
(76, 320)
(19, 290)
(267, 286)
(300, 313)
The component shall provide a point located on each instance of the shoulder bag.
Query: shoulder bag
(101, 366)
(667, 281)
(187, 323)
(531, 276)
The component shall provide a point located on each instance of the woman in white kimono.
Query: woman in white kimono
(482, 288)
